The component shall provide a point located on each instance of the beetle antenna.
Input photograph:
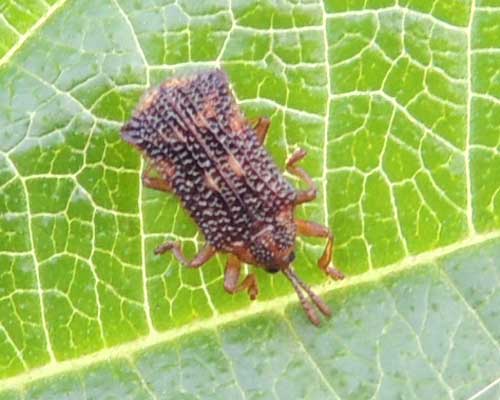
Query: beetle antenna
(325, 310)
(306, 305)
(298, 284)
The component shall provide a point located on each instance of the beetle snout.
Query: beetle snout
(281, 263)
(272, 269)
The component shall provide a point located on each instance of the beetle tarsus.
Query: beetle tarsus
(163, 248)
(303, 196)
(151, 182)
(312, 229)
(201, 258)
(250, 284)
(232, 276)
(334, 273)
(261, 128)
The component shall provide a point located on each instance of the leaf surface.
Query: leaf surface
(397, 105)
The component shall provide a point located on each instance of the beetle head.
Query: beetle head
(273, 248)
(273, 245)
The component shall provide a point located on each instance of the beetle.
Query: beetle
(204, 150)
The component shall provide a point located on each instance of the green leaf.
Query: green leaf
(398, 107)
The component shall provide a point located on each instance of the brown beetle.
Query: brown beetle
(206, 152)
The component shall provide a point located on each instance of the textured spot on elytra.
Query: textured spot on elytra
(209, 181)
(235, 165)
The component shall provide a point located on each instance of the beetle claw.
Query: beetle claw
(163, 248)
(334, 273)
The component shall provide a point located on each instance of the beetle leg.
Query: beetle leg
(261, 128)
(154, 182)
(201, 258)
(232, 276)
(309, 228)
(303, 196)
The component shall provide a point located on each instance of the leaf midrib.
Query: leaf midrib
(277, 305)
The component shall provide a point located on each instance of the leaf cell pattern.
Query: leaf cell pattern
(396, 102)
